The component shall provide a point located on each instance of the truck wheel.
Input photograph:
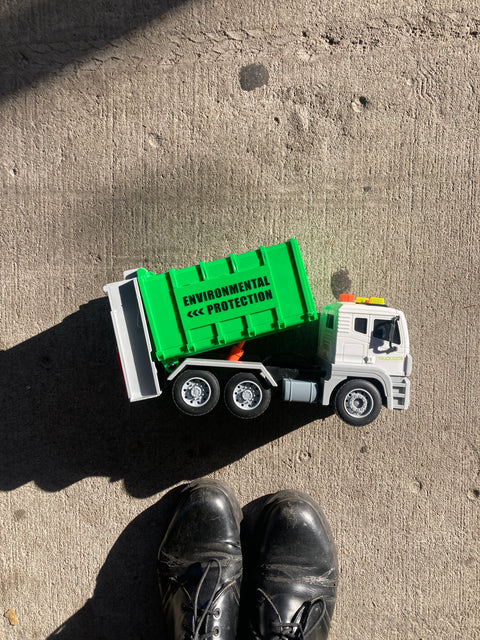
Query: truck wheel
(358, 402)
(246, 397)
(196, 392)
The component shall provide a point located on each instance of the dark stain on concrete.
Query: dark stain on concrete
(253, 76)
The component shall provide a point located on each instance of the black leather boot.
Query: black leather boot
(291, 577)
(200, 564)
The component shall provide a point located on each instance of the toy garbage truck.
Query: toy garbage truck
(208, 331)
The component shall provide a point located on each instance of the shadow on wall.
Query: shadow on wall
(65, 417)
(43, 38)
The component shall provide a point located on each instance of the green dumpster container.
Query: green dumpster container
(220, 303)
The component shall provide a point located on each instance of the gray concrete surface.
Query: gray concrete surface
(138, 133)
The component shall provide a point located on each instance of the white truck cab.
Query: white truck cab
(364, 348)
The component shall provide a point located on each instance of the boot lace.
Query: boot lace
(281, 630)
(199, 615)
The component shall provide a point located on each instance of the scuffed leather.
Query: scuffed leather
(200, 564)
(294, 571)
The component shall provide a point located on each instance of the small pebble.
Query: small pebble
(11, 617)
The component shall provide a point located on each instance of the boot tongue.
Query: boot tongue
(274, 613)
(202, 586)
(203, 581)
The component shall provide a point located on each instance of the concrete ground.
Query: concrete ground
(161, 133)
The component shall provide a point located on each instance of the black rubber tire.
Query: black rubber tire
(358, 402)
(246, 397)
(196, 392)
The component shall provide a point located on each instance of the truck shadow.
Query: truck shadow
(65, 417)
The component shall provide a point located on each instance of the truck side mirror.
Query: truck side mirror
(391, 333)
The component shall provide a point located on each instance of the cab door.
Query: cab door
(355, 346)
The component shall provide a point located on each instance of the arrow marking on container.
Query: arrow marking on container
(196, 312)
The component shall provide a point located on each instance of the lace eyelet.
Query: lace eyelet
(216, 613)
(216, 631)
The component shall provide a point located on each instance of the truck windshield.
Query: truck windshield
(382, 330)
